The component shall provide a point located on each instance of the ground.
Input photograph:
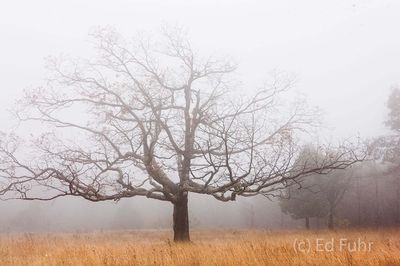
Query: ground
(224, 247)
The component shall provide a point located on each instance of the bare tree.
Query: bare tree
(156, 122)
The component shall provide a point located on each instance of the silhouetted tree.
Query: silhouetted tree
(157, 122)
(386, 149)
(303, 200)
(333, 188)
(303, 203)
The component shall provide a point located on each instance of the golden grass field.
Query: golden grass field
(225, 247)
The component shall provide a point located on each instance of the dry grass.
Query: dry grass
(207, 248)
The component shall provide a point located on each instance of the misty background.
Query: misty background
(344, 54)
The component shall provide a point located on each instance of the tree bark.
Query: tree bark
(307, 223)
(181, 219)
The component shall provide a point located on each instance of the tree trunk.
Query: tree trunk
(331, 214)
(307, 223)
(330, 220)
(181, 219)
(397, 202)
(377, 209)
(358, 202)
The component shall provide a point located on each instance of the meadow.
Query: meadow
(208, 247)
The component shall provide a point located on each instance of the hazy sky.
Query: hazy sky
(346, 53)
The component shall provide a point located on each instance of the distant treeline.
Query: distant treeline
(366, 194)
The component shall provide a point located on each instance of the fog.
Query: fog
(343, 53)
